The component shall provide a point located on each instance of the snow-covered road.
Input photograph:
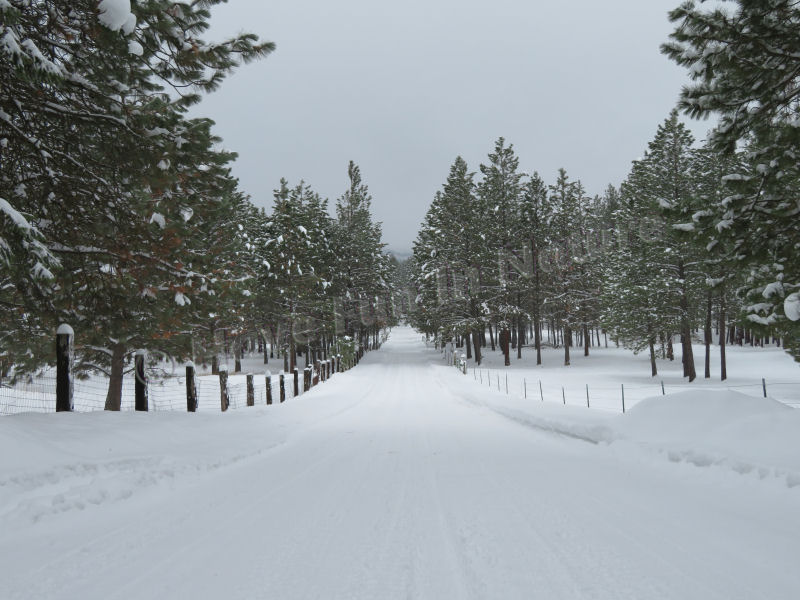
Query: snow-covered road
(397, 479)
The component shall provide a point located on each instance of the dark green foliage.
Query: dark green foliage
(744, 60)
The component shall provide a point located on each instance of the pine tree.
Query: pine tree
(744, 64)
(635, 296)
(89, 132)
(500, 192)
(362, 271)
(536, 216)
(568, 202)
(670, 185)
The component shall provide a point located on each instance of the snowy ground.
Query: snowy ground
(403, 478)
(606, 370)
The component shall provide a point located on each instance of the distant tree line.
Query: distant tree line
(696, 240)
(119, 214)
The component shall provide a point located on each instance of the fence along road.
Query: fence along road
(395, 481)
(164, 391)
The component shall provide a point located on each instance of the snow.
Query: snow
(776, 287)
(721, 428)
(683, 226)
(65, 329)
(159, 219)
(135, 48)
(403, 478)
(116, 15)
(791, 307)
(13, 214)
(130, 24)
(39, 271)
(181, 299)
(605, 370)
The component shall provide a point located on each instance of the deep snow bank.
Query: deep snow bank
(702, 427)
(719, 428)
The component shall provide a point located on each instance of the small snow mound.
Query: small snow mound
(116, 14)
(65, 329)
(696, 410)
(791, 307)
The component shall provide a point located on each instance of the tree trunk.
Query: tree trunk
(688, 364)
(114, 395)
(567, 335)
(707, 336)
(505, 343)
(491, 336)
(520, 337)
(722, 333)
(585, 339)
(687, 359)
(476, 342)
(465, 338)
(653, 367)
(292, 349)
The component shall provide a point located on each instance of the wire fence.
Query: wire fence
(611, 397)
(165, 393)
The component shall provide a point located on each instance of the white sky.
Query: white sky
(404, 89)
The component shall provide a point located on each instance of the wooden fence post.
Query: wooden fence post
(269, 388)
(251, 391)
(141, 381)
(64, 388)
(296, 376)
(315, 380)
(283, 387)
(191, 389)
(224, 398)
(306, 379)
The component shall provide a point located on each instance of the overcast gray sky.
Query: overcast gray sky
(404, 88)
